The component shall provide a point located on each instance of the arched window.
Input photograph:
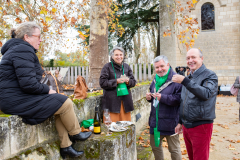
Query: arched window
(207, 16)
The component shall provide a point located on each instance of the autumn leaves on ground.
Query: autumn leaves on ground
(225, 143)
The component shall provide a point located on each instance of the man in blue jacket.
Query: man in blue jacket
(165, 97)
(197, 110)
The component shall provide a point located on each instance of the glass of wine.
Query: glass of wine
(108, 122)
(90, 86)
(106, 113)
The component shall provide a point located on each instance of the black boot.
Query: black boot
(82, 136)
(69, 151)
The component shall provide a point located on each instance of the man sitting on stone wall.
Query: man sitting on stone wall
(165, 97)
(197, 109)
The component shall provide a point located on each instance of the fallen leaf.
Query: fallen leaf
(164, 144)
(142, 134)
(146, 145)
(212, 144)
(184, 152)
(231, 147)
(141, 138)
(214, 131)
(148, 141)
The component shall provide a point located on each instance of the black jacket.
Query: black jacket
(198, 98)
(108, 83)
(168, 113)
(21, 92)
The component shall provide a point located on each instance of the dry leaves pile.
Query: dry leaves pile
(144, 139)
(68, 86)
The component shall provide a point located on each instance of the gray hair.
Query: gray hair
(200, 53)
(116, 48)
(24, 28)
(159, 58)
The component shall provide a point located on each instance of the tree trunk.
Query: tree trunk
(158, 43)
(137, 47)
(98, 41)
(168, 43)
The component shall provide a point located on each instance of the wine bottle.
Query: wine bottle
(97, 123)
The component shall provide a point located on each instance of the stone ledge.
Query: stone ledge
(118, 146)
(17, 137)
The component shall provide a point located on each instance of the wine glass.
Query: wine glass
(51, 87)
(108, 122)
(106, 113)
(90, 86)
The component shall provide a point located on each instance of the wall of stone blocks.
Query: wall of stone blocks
(19, 139)
(220, 47)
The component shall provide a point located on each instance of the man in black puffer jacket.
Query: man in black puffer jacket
(197, 109)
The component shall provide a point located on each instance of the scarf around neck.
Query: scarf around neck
(161, 80)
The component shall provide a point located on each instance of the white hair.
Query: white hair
(159, 58)
(116, 48)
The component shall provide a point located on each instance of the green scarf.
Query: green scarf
(161, 80)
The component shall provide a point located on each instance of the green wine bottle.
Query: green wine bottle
(97, 123)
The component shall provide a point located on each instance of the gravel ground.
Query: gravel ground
(225, 143)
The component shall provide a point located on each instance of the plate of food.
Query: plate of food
(117, 127)
(124, 123)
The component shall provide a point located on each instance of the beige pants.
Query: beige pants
(66, 123)
(173, 147)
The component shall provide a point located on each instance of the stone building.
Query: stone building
(219, 42)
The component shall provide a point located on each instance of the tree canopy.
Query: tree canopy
(134, 15)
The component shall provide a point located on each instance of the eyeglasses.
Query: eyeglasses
(39, 37)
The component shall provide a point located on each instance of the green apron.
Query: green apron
(121, 87)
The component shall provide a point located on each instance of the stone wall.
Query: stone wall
(221, 46)
(41, 141)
